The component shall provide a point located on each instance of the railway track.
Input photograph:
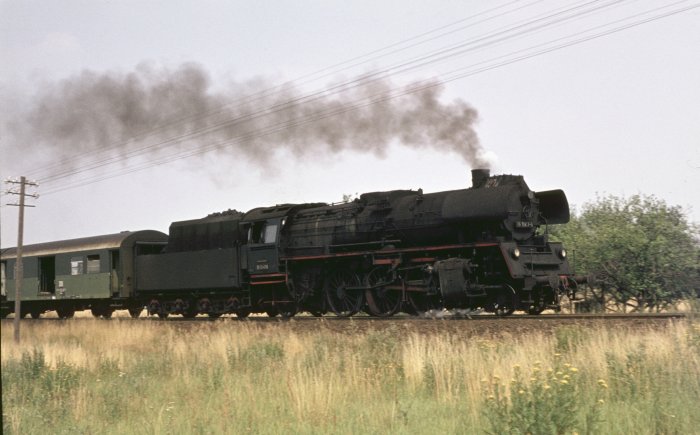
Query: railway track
(590, 316)
(468, 328)
(397, 318)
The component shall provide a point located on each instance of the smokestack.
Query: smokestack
(479, 177)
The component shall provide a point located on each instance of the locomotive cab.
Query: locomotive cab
(263, 236)
(263, 227)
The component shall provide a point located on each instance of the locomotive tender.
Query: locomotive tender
(484, 247)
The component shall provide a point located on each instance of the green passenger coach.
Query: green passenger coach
(95, 273)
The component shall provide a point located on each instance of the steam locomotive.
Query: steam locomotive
(485, 247)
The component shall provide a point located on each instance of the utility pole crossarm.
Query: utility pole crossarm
(13, 191)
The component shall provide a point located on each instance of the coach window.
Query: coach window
(93, 264)
(76, 266)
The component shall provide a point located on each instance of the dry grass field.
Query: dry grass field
(123, 376)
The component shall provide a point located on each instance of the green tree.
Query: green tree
(642, 253)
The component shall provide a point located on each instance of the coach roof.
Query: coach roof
(109, 241)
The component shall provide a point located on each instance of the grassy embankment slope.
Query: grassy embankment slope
(123, 376)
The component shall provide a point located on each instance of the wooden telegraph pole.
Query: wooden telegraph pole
(19, 270)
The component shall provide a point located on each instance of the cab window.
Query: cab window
(262, 232)
(270, 233)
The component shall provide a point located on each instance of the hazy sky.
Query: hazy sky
(593, 97)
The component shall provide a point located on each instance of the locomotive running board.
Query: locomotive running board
(392, 251)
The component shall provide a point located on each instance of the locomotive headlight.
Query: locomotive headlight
(515, 252)
(562, 253)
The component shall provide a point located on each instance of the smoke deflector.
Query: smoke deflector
(554, 207)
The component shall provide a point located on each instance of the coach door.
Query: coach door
(47, 275)
(114, 272)
(263, 256)
(3, 279)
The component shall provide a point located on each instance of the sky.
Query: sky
(592, 97)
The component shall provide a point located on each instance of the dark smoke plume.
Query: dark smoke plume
(164, 112)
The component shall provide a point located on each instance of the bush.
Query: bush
(545, 402)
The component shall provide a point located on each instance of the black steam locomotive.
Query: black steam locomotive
(484, 247)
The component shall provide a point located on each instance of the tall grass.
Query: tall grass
(121, 376)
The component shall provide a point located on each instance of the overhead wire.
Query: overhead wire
(306, 78)
(505, 33)
(386, 97)
(315, 95)
(453, 75)
(297, 122)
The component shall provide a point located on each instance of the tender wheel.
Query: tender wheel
(35, 314)
(381, 301)
(242, 313)
(163, 314)
(190, 313)
(188, 309)
(344, 302)
(213, 315)
(135, 312)
(272, 312)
